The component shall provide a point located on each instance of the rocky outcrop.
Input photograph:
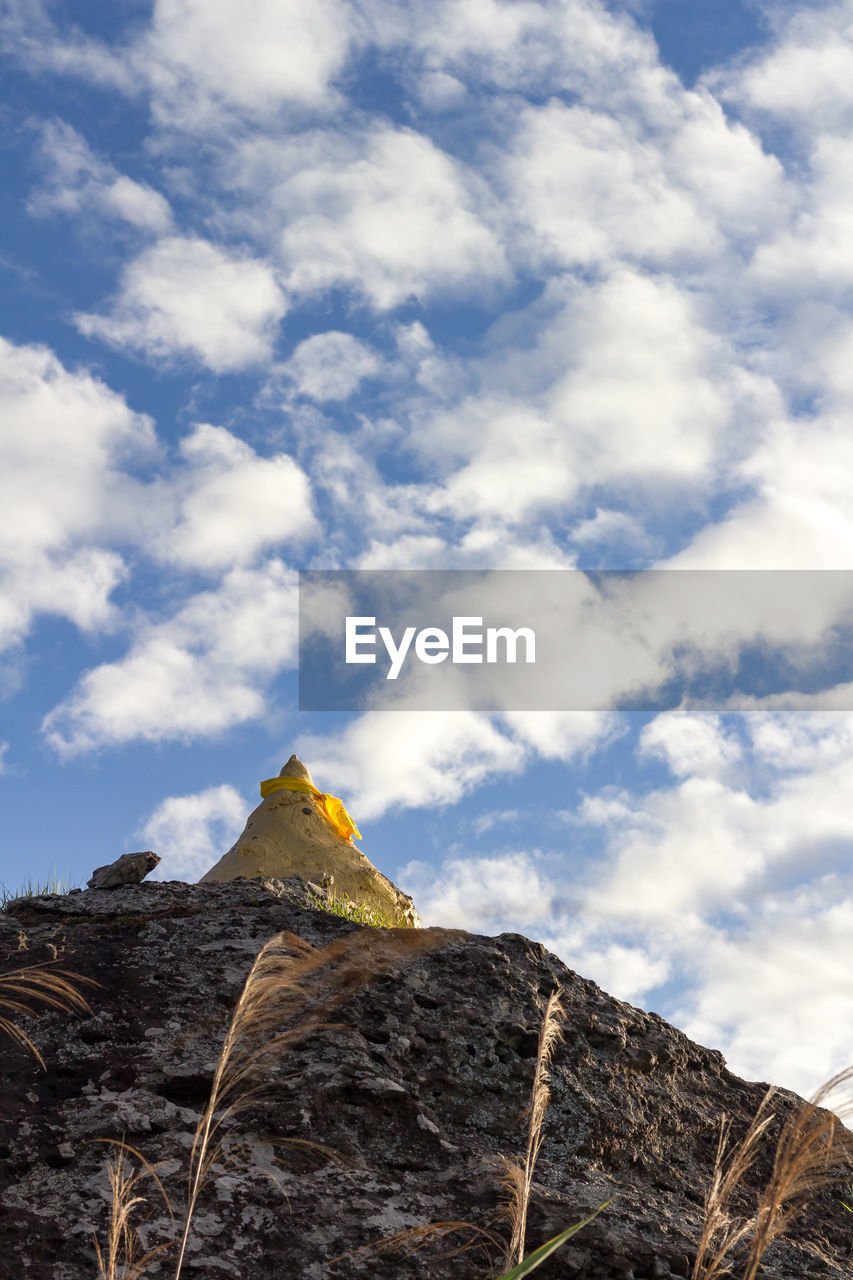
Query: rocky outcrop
(290, 834)
(130, 868)
(414, 1086)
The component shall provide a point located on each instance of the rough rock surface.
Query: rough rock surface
(130, 868)
(418, 1086)
(287, 835)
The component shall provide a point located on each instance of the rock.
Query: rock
(130, 868)
(288, 835)
(417, 1083)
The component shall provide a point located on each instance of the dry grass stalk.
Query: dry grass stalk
(44, 985)
(721, 1232)
(415, 1238)
(124, 1259)
(814, 1150)
(288, 978)
(812, 1146)
(518, 1174)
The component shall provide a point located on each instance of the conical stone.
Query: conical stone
(288, 835)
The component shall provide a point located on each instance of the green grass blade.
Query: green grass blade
(532, 1261)
(33, 888)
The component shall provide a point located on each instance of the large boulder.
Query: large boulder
(290, 834)
(413, 1088)
(130, 868)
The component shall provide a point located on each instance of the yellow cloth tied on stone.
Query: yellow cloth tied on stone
(331, 807)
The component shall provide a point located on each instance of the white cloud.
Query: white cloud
(636, 166)
(520, 461)
(492, 894)
(569, 46)
(235, 503)
(778, 998)
(39, 44)
(691, 744)
(409, 551)
(69, 495)
(349, 487)
(802, 80)
(4, 747)
(806, 77)
(66, 437)
(409, 759)
(384, 212)
(522, 890)
(78, 182)
(502, 40)
(484, 545)
(440, 92)
(706, 845)
(819, 330)
(75, 584)
(564, 735)
(203, 62)
(811, 256)
(194, 675)
(728, 173)
(652, 876)
(594, 192)
(497, 818)
(65, 434)
(185, 296)
(190, 833)
(801, 742)
(331, 366)
(623, 385)
(628, 972)
(608, 526)
(648, 377)
(206, 58)
(413, 759)
(744, 894)
(797, 514)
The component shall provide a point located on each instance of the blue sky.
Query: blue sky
(542, 284)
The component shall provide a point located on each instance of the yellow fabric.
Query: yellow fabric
(331, 807)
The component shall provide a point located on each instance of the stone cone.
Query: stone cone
(289, 835)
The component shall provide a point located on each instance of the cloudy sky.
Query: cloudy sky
(514, 284)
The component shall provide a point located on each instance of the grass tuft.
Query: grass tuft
(814, 1150)
(350, 909)
(535, 1259)
(35, 888)
(43, 985)
(125, 1258)
(518, 1173)
(413, 1239)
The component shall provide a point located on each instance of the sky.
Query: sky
(483, 284)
